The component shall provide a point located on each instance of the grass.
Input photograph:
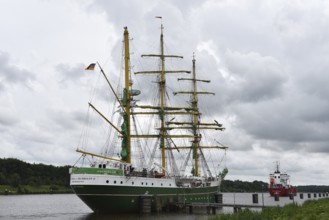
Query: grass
(310, 210)
(28, 189)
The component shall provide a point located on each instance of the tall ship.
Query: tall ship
(280, 183)
(163, 155)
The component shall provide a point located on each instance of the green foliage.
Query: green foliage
(28, 189)
(313, 188)
(15, 172)
(3, 180)
(259, 186)
(243, 186)
(15, 180)
(311, 209)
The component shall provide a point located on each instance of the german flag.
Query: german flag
(91, 66)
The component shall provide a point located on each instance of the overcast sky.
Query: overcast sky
(268, 62)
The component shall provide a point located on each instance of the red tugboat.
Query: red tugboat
(279, 183)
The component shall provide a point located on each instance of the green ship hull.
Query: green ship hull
(111, 191)
(128, 199)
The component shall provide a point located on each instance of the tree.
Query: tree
(3, 180)
(15, 180)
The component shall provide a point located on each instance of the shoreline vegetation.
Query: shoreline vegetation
(310, 209)
(27, 189)
(19, 177)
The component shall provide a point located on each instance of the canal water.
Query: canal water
(69, 206)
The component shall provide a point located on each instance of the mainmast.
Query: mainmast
(162, 87)
(162, 109)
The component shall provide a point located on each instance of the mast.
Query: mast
(162, 85)
(195, 124)
(162, 109)
(277, 167)
(196, 140)
(126, 143)
(126, 109)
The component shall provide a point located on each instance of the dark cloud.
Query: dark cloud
(7, 119)
(67, 120)
(11, 74)
(314, 80)
(254, 77)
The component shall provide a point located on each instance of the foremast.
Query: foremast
(125, 105)
(125, 127)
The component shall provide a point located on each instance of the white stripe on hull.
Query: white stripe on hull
(111, 180)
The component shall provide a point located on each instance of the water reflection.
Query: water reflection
(164, 216)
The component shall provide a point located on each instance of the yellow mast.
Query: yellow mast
(98, 155)
(162, 85)
(195, 124)
(162, 108)
(196, 140)
(124, 104)
(127, 90)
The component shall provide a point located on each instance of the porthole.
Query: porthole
(170, 184)
(132, 183)
(152, 184)
(115, 181)
(161, 184)
(107, 181)
(142, 183)
(121, 182)
(145, 183)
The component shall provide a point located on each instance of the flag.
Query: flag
(158, 17)
(91, 66)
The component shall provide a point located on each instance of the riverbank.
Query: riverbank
(28, 189)
(311, 209)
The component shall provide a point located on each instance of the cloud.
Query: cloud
(11, 74)
(254, 78)
(70, 73)
(7, 119)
